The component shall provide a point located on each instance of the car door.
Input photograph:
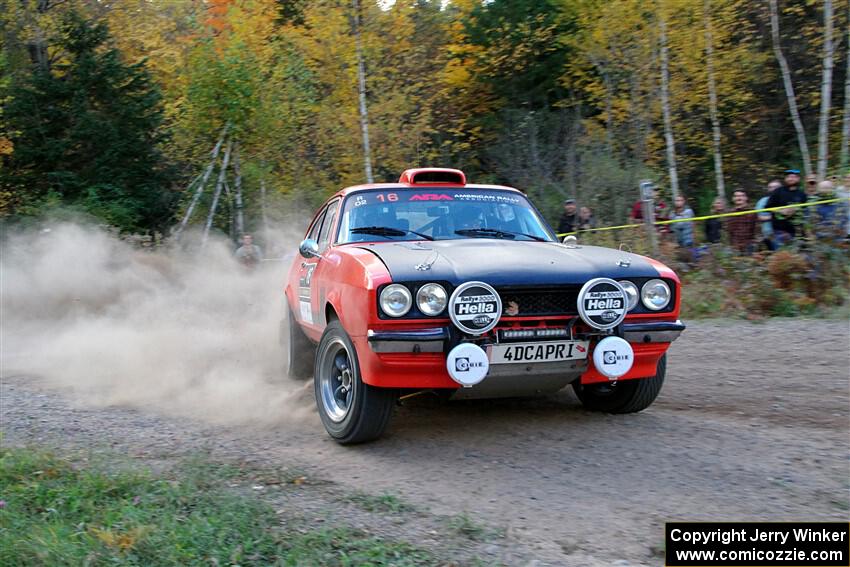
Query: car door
(305, 309)
(320, 282)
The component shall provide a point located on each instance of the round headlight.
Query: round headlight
(396, 300)
(431, 299)
(655, 294)
(632, 293)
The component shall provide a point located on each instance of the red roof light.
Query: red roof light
(433, 176)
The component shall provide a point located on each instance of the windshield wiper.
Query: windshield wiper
(496, 233)
(388, 231)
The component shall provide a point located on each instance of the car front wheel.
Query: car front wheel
(625, 396)
(351, 411)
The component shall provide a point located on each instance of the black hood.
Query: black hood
(505, 262)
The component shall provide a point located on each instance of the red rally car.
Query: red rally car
(435, 284)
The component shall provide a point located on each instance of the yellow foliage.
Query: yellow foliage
(6, 146)
(122, 541)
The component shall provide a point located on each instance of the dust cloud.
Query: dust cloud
(177, 331)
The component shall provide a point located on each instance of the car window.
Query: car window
(313, 233)
(328, 223)
(438, 213)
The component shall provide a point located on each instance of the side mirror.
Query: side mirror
(309, 248)
(570, 241)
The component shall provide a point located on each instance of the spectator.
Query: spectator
(784, 225)
(661, 211)
(586, 220)
(713, 227)
(249, 254)
(742, 228)
(636, 214)
(569, 219)
(764, 219)
(684, 231)
(807, 214)
(827, 218)
(843, 192)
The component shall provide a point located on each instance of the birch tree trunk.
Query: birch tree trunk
(218, 187)
(712, 101)
(264, 212)
(789, 88)
(845, 126)
(237, 194)
(361, 90)
(197, 196)
(825, 91)
(665, 106)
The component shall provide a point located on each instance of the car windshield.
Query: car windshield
(439, 214)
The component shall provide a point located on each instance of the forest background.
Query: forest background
(111, 107)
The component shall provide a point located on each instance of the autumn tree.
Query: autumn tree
(86, 134)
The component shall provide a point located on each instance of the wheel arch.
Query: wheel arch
(331, 313)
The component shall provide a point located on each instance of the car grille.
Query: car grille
(538, 302)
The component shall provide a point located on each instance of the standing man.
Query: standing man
(766, 218)
(713, 227)
(684, 230)
(586, 220)
(742, 228)
(249, 254)
(569, 219)
(785, 220)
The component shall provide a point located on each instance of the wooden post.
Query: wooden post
(646, 188)
(218, 187)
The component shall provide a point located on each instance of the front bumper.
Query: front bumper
(416, 358)
(654, 332)
(416, 341)
(435, 339)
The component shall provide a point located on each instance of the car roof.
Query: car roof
(420, 187)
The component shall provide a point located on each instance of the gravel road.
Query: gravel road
(752, 424)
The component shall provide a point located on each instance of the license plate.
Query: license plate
(550, 351)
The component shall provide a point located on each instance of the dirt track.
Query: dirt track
(752, 424)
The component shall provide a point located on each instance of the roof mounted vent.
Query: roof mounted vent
(433, 176)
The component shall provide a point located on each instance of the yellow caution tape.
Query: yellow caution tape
(706, 217)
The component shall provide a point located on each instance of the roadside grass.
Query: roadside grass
(386, 503)
(465, 526)
(54, 512)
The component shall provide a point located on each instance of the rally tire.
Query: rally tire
(627, 396)
(298, 351)
(358, 413)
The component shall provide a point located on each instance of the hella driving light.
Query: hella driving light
(432, 299)
(632, 294)
(655, 294)
(396, 300)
